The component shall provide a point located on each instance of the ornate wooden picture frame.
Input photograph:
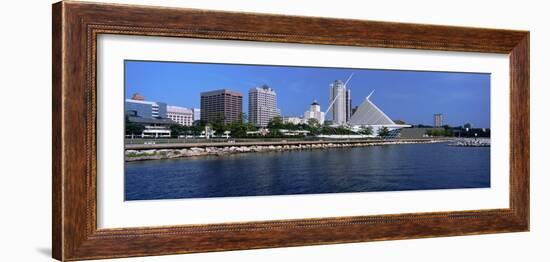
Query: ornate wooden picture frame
(76, 26)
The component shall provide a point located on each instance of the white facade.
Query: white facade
(293, 120)
(369, 115)
(262, 105)
(156, 131)
(315, 112)
(340, 99)
(180, 115)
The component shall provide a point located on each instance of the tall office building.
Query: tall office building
(438, 120)
(180, 115)
(315, 112)
(348, 104)
(224, 104)
(262, 105)
(341, 109)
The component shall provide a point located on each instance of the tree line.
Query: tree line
(242, 128)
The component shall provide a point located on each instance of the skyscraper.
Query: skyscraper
(262, 105)
(348, 104)
(438, 120)
(340, 98)
(221, 104)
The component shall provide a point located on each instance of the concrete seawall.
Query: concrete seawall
(143, 152)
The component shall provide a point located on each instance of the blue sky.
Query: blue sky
(412, 96)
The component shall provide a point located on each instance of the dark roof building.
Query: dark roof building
(221, 104)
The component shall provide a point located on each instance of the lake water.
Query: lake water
(337, 170)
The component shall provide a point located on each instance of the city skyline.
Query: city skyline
(411, 96)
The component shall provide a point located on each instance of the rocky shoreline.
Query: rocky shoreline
(158, 154)
(471, 142)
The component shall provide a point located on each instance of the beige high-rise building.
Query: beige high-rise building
(438, 120)
(340, 98)
(262, 105)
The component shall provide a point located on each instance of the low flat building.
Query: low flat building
(152, 115)
(145, 109)
(294, 132)
(293, 120)
(154, 127)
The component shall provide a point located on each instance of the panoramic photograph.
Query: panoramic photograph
(202, 130)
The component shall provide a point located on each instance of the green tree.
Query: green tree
(133, 128)
(341, 130)
(366, 131)
(197, 128)
(275, 123)
(218, 125)
(275, 133)
(251, 127)
(177, 130)
(313, 126)
(291, 126)
(383, 132)
(237, 129)
(327, 130)
(313, 122)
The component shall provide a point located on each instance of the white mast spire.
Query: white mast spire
(370, 94)
(349, 78)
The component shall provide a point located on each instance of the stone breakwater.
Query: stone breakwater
(471, 142)
(157, 154)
